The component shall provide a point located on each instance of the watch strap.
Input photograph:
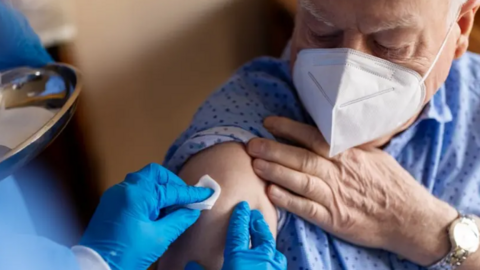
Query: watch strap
(453, 260)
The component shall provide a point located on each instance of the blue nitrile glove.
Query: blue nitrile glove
(263, 254)
(19, 45)
(126, 230)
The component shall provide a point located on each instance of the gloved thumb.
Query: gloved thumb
(174, 224)
(194, 266)
(262, 238)
(182, 195)
(238, 237)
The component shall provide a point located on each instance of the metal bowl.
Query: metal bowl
(25, 87)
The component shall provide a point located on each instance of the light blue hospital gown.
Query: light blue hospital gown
(441, 150)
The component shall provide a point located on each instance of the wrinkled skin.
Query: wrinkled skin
(406, 32)
(360, 190)
(363, 195)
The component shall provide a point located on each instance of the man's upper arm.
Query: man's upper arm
(213, 144)
(231, 167)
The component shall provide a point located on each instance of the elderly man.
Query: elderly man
(377, 111)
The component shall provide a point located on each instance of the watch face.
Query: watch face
(466, 235)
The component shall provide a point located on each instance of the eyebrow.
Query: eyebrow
(403, 22)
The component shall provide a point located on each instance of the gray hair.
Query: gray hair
(455, 6)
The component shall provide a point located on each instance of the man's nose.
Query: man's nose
(356, 41)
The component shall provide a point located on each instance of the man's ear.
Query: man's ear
(465, 21)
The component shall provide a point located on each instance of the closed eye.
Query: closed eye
(399, 53)
(330, 40)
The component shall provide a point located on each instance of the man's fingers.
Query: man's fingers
(154, 174)
(292, 157)
(262, 238)
(306, 135)
(300, 206)
(238, 235)
(174, 224)
(300, 183)
(171, 194)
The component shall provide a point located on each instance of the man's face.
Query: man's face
(406, 32)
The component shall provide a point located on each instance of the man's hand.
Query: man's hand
(129, 230)
(245, 225)
(362, 196)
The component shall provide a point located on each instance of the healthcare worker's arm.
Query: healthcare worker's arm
(125, 230)
(129, 230)
(204, 242)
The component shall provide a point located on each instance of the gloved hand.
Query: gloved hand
(19, 45)
(126, 230)
(263, 254)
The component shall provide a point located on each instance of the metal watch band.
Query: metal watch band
(455, 258)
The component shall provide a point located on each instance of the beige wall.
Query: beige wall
(148, 65)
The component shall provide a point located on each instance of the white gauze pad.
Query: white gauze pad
(207, 182)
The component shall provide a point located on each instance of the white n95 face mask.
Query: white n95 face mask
(355, 98)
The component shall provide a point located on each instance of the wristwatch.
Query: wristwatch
(465, 240)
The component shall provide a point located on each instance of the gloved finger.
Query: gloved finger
(173, 225)
(238, 237)
(170, 195)
(262, 238)
(156, 174)
(280, 259)
(194, 266)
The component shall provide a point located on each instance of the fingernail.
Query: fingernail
(256, 215)
(275, 193)
(268, 122)
(208, 191)
(257, 220)
(255, 147)
(242, 209)
(244, 206)
(203, 191)
(257, 225)
(260, 165)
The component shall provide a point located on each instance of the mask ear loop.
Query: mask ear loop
(441, 48)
